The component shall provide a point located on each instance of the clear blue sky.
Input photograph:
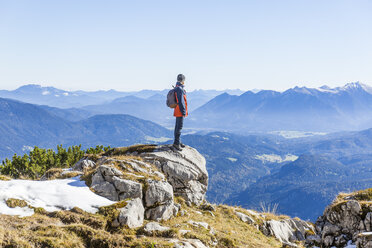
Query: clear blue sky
(131, 45)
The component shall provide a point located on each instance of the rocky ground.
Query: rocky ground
(346, 222)
(159, 197)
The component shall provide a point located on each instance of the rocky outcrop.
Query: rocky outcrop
(287, 231)
(185, 170)
(152, 174)
(348, 220)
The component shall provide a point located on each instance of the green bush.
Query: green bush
(38, 161)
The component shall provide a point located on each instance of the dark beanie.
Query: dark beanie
(180, 78)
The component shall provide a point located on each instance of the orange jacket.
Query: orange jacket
(177, 110)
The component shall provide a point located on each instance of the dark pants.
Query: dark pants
(177, 130)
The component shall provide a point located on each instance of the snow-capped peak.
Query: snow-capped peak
(346, 87)
(302, 90)
(353, 85)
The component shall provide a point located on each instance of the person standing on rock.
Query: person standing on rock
(180, 112)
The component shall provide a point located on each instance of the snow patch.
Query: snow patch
(233, 159)
(274, 158)
(65, 93)
(52, 195)
(44, 93)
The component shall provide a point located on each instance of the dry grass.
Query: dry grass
(77, 228)
(229, 230)
(74, 228)
(130, 149)
(5, 178)
(127, 157)
(58, 173)
(364, 197)
(13, 202)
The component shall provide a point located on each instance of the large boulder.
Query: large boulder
(287, 231)
(185, 170)
(132, 214)
(106, 182)
(158, 193)
(159, 200)
(127, 188)
(106, 189)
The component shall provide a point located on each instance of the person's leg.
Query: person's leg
(176, 138)
(177, 130)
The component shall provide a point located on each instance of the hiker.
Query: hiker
(180, 111)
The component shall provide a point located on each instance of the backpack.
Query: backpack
(171, 98)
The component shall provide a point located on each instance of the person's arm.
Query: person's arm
(181, 101)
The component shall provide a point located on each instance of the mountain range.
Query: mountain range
(144, 104)
(303, 109)
(25, 125)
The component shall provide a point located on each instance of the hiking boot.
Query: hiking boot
(177, 146)
(182, 145)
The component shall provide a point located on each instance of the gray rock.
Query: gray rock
(188, 243)
(341, 224)
(160, 175)
(245, 218)
(132, 214)
(97, 178)
(199, 224)
(364, 240)
(340, 241)
(313, 240)
(368, 222)
(127, 188)
(282, 231)
(83, 164)
(183, 232)
(108, 172)
(185, 170)
(196, 243)
(152, 228)
(107, 190)
(158, 193)
(330, 229)
(162, 212)
(328, 241)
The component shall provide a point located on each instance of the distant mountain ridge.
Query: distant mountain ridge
(26, 125)
(301, 109)
(144, 104)
(54, 97)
